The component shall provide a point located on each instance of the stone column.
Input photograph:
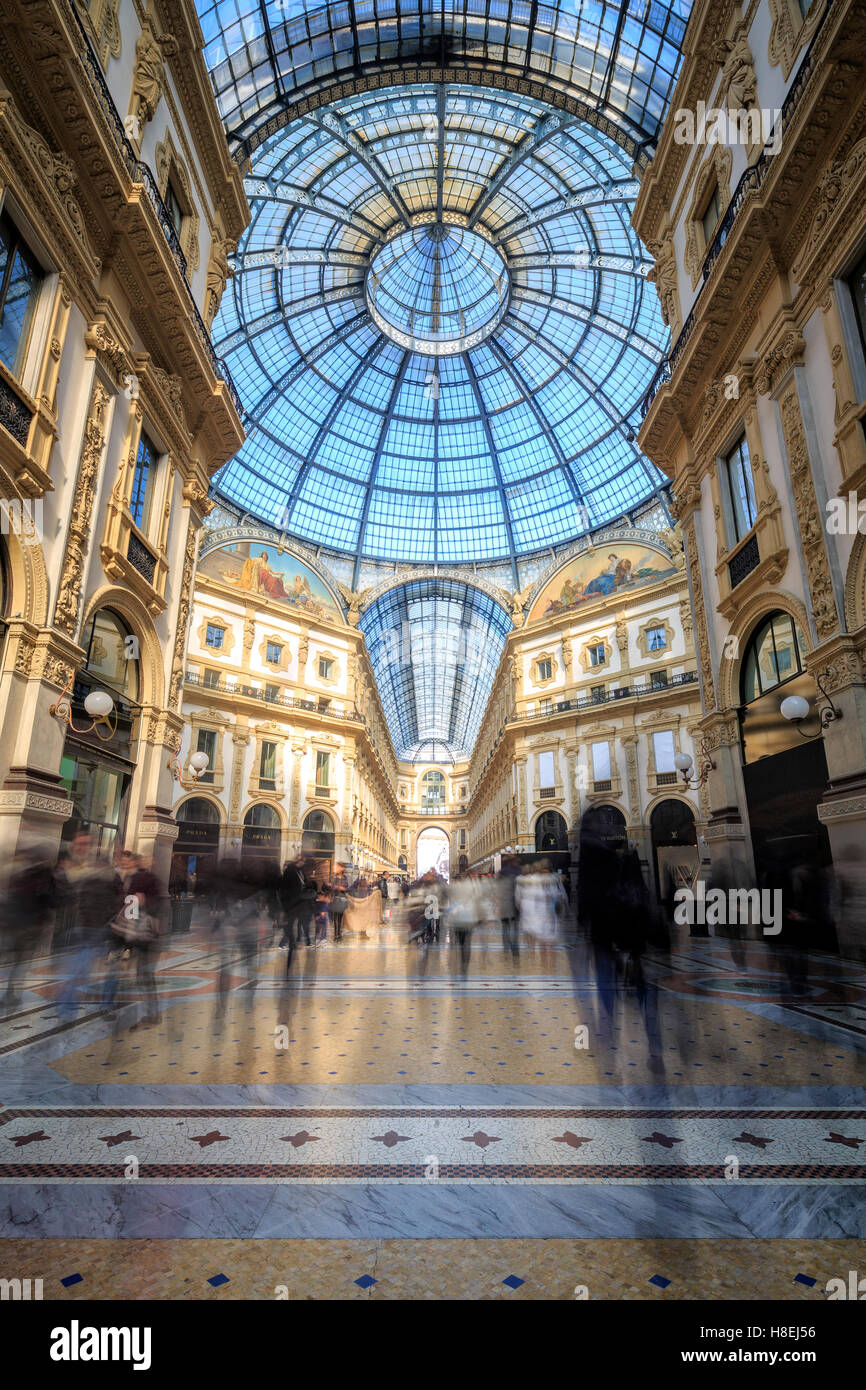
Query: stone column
(728, 837)
(234, 831)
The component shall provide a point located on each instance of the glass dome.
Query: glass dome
(441, 328)
(437, 288)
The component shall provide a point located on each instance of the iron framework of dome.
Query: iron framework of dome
(381, 423)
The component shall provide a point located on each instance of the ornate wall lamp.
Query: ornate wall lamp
(795, 708)
(684, 765)
(98, 704)
(198, 762)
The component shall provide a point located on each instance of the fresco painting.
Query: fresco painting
(609, 569)
(252, 567)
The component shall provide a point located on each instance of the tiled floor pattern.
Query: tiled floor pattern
(456, 1040)
(365, 1020)
(404, 1144)
(434, 1269)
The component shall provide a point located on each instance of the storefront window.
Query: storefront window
(98, 792)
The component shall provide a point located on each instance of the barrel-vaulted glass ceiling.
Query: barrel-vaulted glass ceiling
(434, 646)
(440, 328)
(621, 58)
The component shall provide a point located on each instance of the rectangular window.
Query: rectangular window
(601, 762)
(461, 843)
(268, 766)
(663, 751)
(597, 693)
(857, 286)
(211, 678)
(545, 670)
(658, 680)
(272, 692)
(206, 743)
(323, 769)
(656, 638)
(546, 772)
(20, 279)
(214, 636)
(142, 482)
(326, 667)
(545, 707)
(173, 207)
(712, 213)
(741, 488)
(273, 652)
(596, 654)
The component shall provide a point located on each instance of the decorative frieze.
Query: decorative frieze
(69, 590)
(701, 633)
(808, 515)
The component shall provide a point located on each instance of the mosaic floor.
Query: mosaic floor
(376, 1124)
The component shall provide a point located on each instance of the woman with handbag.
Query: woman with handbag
(339, 903)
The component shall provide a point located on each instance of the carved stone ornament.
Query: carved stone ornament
(739, 86)
(701, 634)
(219, 272)
(109, 350)
(69, 589)
(58, 169)
(177, 661)
(778, 360)
(808, 515)
(841, 178)
(148, 77)
(354, 600)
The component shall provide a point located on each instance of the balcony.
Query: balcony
(746, 559)
(252, 692)
(622, 692)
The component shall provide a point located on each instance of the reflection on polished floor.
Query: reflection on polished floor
(382, 1126)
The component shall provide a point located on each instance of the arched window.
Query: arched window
(774, 655)
(433, 789)
(112, 653)
(198, 809)
(262, 816)
(261, 838)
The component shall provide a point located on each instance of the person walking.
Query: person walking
(142, 888)
(540, 899)
(506, 907)
(463, 914)
(96, 898)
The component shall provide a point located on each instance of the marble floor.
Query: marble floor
(374, 1123)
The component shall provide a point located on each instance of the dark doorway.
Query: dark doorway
(782, 794)
(604, 825)
(675, 847)
(551, 833)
